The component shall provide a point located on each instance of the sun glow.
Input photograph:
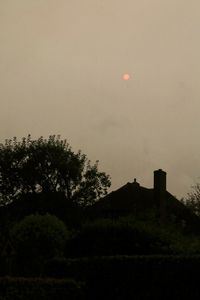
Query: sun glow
(126, 76)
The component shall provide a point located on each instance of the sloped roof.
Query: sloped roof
(127, 198)
(135, 199)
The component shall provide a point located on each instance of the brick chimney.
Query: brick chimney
(160, 193)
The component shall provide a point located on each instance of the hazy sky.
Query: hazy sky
(61, 68)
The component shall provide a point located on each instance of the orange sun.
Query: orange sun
(126, 76)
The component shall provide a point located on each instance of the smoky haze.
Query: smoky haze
(61, 72)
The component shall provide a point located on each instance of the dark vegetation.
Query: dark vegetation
(133, 277)
(40, 288)
(192, 201)
(48, 230)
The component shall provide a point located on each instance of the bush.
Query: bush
(40, 289)
(109, 237)
(133, 277)
(38, 238)
(57, 268)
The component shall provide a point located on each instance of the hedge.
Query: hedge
(39, 289)
(119, 237)
(139, 277)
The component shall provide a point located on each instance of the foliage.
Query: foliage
(133, 277)
(118, 237)
(131, 236)
(37, 238)
(41, 289)
(192, 201)
(48, 165)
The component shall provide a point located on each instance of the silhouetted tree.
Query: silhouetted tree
(48, 165)
(192, 200)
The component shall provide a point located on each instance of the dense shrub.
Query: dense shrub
(38, 238)
(57, 268)
(134, 277)
(40, 289)
(121, 237)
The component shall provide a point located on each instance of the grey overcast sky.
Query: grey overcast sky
(61, 68)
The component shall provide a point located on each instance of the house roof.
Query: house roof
(132, 198)
(127, 198)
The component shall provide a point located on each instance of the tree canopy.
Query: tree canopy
(192, 200)
(49, 165)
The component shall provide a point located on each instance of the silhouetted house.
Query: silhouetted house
(137, 200)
